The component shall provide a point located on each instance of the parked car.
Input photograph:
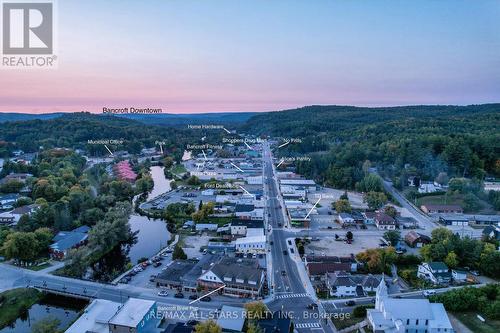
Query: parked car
(350, 303)
(206, 299)
(157, 264)
(312, 306)
(193, 296)
(476, 273)
(179, 295)
(163, 293)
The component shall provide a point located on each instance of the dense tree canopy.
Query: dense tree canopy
(461, 141)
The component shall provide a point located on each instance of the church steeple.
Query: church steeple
(381, 292)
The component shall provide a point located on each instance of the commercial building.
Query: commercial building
(102, 316)
(251, 244)
(436, 209)
(240, 278)
(346, 219)
(307, 184)
(95, 317)
(123, 171)
(384, 221)
(136, 316)
(468, 219)
(240, 227)
(318, 266)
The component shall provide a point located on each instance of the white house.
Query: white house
(346, 219)
(13, 217)
(436, 272)
(400, 315)
(343, 284)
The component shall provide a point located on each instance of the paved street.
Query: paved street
(289, 289)
(13, 277)
(424, 221)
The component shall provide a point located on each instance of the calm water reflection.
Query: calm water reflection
(63, 309)
(150, 236)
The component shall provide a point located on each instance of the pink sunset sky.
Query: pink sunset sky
(217, 56)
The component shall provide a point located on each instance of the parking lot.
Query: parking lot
(328, 246)
(179, 195)
(141, 274)
(192, 244)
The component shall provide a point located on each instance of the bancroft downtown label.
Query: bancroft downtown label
(132, 110)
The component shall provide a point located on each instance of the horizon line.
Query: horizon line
(262, 111)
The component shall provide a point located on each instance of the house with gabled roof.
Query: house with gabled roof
(435, 271)
(344, 284)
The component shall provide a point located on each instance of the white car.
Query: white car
(163, 293)
(428, 293)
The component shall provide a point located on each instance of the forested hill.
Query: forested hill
(168, 119)
(419, 140)
(313, 120)
(73, 130)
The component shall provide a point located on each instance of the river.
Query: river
(153, 234)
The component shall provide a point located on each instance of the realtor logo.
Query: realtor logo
(28, 29)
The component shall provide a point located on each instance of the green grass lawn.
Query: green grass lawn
(220, 221)
(178, 169)
(39, 267)
(16, 301)
(470, 320)
(340, 324)
(455, 199)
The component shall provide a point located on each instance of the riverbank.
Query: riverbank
(15, 302)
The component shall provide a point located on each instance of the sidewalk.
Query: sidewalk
(301, 268)
(52, 267)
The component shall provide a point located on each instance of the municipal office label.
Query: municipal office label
(28, 34)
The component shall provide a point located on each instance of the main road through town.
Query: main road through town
(289, 290)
